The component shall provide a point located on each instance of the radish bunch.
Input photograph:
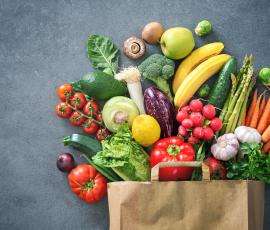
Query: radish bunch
(198, 122)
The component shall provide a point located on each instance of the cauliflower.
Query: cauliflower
(158, 69)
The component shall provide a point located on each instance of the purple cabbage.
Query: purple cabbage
(159, 106)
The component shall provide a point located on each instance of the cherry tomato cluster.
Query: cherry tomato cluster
(197, 122)
(80, 111)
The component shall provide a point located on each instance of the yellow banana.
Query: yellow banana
(197, 77)
(195, 58)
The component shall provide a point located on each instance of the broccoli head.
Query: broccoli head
(158, 69)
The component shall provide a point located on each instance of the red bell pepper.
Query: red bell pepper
(172, 149)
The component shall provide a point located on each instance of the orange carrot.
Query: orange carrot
(266, 135)
(262, 105)
(255, 116)
(251, 108)
(266, 147)
(265, 118)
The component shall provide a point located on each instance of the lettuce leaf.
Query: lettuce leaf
(125, 156)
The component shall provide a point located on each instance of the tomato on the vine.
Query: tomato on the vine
(63, 110)
(90, 126)
(91, 108)
(102, 133)
(64, 92)
(87, 183)
(78, 100)
(77, 118)
(99, 117)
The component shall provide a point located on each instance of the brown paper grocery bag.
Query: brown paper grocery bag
(186, 205)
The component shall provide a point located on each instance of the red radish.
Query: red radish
(217, 169)
(197, 118)
(198, 132)
(186, 109)
(209, 111)
(182, 131)
(196, 105)
(208, 133)
(193, 140)
(181, 115)
(187, 123)
(216, 124)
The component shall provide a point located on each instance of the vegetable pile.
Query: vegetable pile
(129, 128)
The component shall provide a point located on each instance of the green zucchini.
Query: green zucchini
(83, 143)
(90, 146)
(221, 88)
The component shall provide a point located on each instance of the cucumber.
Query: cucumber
(90, 146)
(221, 88)
(83, 143)
(100, 85)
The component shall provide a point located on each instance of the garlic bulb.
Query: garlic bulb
(226, 147)
(247, 134)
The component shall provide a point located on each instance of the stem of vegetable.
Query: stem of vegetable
(233, 119)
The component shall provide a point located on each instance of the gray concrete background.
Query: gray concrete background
(42, 45)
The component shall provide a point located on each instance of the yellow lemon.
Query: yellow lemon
(145, 130)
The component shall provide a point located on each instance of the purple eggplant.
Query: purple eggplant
(159, 106)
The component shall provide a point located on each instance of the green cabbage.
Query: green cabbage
(124, 155)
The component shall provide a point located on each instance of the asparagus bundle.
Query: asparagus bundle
(235, 107)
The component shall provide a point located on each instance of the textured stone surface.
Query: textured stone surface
(42, 45)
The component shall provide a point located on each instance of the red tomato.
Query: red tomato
(91, 108)
(87, 183)
(102, 133)
(63, 110)
(172, 149)
(99, 117)
(90, 126)
(78, 100)
(76, 118)
(64, 92)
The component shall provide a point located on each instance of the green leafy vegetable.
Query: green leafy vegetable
(100, 85)
(125, 156)
(103, 54)
(253, 166)
(200, 155)
(89, 146)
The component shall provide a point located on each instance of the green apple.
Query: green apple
(177, 42)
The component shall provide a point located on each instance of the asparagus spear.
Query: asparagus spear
(234, 116)
(234, 96)
(244, 107)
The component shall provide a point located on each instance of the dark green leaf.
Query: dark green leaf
(103, 54)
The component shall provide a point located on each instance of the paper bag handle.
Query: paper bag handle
(197, 164)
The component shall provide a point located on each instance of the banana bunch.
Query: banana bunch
(195, 69)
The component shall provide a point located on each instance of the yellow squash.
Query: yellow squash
(195, 58)
(197, 77)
